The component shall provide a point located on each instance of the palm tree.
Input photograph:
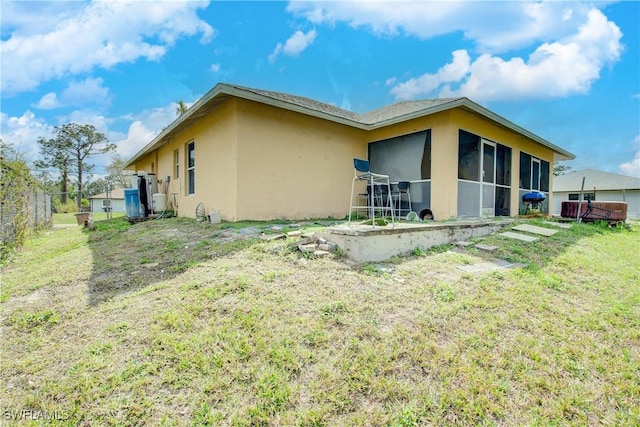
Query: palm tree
(181, 108)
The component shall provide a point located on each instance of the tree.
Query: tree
(70, 148)
(95, 187)
(559, 169)
(56, 159)
(115, 170)
(181, 108)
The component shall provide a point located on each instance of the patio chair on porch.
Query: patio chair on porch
(397, 196)
(377, 200)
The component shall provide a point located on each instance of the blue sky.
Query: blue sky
(567, 71)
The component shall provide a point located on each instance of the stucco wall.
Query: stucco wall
(215, 167)
(444, 152)
(444, 155)
(255, 161)
(293, 166)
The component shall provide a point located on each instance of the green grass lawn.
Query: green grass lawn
(70, 218)
(170, 323)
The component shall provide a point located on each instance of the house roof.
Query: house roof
(595, 178)
(378, 118)
(116, 193)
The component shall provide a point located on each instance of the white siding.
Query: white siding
(632, 197)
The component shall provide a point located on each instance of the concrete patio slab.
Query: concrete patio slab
(535, 230)
(364, 243)
(518, 236)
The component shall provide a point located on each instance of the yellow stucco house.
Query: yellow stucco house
(255, 154)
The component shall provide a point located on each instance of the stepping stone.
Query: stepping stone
(311, 247)
(463, 244)
(518, 236)
(486, 247)
(564, 225)
(270, 237)
(294, 233)
(486, 266)
(535, 230)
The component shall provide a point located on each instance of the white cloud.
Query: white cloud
(632, 168)
(23, 133)
(100, 34)
(297, 43)
(48, 102)
(494, 26)
(427, 83)
(143, 128)
(77, 93)
(565, 67)
(136, 138)
(215, 68)
(88, 91)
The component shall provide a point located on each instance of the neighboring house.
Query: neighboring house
(599, 186)
(256, 154)
(99, 202)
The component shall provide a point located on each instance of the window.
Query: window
(544, 176)
(534, 173)
(403, 158)
(191, 168)
(503, 165)
(426, 157)
(153, 167)
(585, 196)
(468, 156)
(176, 161)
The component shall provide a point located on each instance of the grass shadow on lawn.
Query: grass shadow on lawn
(127, 257)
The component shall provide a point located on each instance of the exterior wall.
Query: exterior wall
(256, 161)
(215, 164)
(632, 197)
(293, 166)
(444, 155)
(117, 205)
(518, 143)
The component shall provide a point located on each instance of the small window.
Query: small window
(191, 168)
(176, 161)
(585, 196)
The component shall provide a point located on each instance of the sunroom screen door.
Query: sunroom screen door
(488, 196)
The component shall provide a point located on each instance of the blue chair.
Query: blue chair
(377, 198)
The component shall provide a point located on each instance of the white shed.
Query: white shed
(99, 202)
(599, 186)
